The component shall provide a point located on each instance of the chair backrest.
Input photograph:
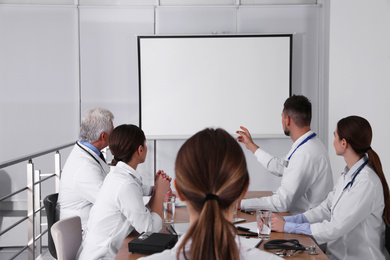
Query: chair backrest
(67, 235)
(50, 203)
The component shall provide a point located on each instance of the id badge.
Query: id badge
(285, 163)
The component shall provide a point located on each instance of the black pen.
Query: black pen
(248, 235)
(258, 244)
(171, 229)
(247, 212)
(242, 228)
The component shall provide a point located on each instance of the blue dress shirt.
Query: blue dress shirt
(297, 224)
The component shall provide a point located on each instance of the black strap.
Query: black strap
(102, 157)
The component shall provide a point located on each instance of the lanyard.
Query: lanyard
(354, 176)
(304, 141)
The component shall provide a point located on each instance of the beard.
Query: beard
(286, 131)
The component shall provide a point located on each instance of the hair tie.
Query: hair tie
(369, 148)
(210, 196)
(116, 159)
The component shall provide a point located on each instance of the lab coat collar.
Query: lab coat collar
(130, 170)
(92, 153)
(299, 141)
(90, 146)
(349, 172)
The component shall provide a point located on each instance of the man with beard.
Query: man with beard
(305, 171)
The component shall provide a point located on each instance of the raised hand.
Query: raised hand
(246, 138)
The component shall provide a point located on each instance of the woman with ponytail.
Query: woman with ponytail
(352, 219)
(211, 175)
(119, 208)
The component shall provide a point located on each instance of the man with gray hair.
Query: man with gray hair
(85, 168)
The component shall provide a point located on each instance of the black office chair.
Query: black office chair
(50, 203)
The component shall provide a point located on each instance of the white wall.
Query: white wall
(109, 72)
(359, 76)
(39, 78)
(108, 62)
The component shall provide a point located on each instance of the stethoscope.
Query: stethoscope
(89, 154)
(282, 246)
(286, 162)
(349, 184)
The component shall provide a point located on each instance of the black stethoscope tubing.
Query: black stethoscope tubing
(89, 154)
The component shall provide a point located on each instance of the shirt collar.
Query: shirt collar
(90, 146)
(300, 140)
(349, 172)
(130, 170)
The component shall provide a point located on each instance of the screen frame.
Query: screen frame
(141, 37)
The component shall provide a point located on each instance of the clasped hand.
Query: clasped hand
(277, 223)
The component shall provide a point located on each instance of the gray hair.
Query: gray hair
(94, 122)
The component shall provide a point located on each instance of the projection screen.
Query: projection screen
(188, 83)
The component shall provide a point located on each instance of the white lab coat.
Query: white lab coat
(81, 178)
(351, 221)
(305, 182)
(118, 210)
(246, 253)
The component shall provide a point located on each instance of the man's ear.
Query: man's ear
(103, 136)
(179, 194)
(288, 120)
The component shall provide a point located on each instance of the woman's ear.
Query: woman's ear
(140, 150)
(344, 143)
(179, 194)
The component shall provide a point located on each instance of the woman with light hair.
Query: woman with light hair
(211, 175)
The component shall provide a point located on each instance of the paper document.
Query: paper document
(249, 242)
(181, 228)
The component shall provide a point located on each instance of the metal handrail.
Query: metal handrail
(19, 252)
(14, 225)
(34, 155)
(34, 180)
(13, 194)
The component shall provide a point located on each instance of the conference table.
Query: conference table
(182, 216)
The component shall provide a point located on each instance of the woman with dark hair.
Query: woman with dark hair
(119, 207)
(352, 219)
(211, 175)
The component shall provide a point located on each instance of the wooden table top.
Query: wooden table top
(182, 216)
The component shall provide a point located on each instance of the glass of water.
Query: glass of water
(263, 218)
(169, 208)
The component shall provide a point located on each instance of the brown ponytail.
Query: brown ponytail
(211, 173)
(358, 133)
(376, 164)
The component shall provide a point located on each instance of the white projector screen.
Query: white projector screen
(188, 83)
